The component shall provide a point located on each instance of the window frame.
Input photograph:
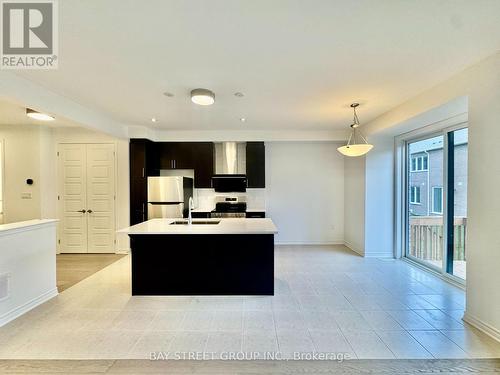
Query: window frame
(402, 169)
(433, 211)
(419, 190)
(419, 160)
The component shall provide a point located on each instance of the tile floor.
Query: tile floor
(327, 299)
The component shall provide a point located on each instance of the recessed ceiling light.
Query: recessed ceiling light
(202, 97)
(168, 94)
(31, 113)
(243, 119)
(153, 119)
(239, 94)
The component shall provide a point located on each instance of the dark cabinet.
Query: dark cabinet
(142, 164)
(255, 214)
(203, 158)
(188, 155)
(201, 215)
(174, 155)
(256, 165)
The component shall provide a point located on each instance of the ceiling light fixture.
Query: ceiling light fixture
(352, 148)
(243, 119)
(202, 97)
(31, 113)
(153, 119)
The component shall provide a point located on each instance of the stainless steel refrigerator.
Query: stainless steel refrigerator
(168, 196)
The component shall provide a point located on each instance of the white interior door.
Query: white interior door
(87, 198)
(101, 198)
(73, 198)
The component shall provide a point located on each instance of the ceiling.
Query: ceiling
(299, 63)
(14, 113)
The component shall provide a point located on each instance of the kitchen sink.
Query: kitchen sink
(195, 222)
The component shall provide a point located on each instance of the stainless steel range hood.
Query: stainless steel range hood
(230, 158)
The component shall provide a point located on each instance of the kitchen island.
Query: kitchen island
(208, 257)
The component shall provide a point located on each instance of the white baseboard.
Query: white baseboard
(305, 243)
(491, 331)
(23, 309)
(354, 248)
(378, 255)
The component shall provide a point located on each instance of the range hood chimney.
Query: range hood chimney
(230, 158)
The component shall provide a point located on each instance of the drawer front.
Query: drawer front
(256, 215)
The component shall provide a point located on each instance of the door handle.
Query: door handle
(89, 211)
(82, 211)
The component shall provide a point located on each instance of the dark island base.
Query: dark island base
(199, 264)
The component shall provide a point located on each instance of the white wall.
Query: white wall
(354, 200)
(305, 191)
(22, 161)
(481, 84)
(379, 203)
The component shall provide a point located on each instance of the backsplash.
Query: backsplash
(256, 199)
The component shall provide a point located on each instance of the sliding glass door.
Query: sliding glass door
(458, 144)
(436, 201)
(425, 198)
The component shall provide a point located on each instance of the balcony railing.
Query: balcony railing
(427, 237)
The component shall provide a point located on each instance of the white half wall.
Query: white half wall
(27, 266)
(305, 192)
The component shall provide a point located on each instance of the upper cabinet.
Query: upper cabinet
(188, 155)
(143, 163)
(256, 164)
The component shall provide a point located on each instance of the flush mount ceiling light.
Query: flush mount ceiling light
(153, 119)
(354, 148)
(202, 97)
(31, 113)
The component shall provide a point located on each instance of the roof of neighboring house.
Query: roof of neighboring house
(436, 143)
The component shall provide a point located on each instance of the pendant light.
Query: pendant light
(354, 148)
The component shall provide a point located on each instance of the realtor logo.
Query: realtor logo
(29, 34)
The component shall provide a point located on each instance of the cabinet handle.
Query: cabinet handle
(89, 211)
(143, 172)
(82, 211)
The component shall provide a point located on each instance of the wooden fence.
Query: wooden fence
(427, 237)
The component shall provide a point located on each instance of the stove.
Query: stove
(229, 207)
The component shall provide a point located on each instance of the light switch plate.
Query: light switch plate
(25, 195)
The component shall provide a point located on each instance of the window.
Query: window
(415, 195)
(419, 163)
(437, 200)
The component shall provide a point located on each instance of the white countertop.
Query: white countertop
(225, 226)
(21, 226)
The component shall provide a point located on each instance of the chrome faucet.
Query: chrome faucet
(190, 218)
